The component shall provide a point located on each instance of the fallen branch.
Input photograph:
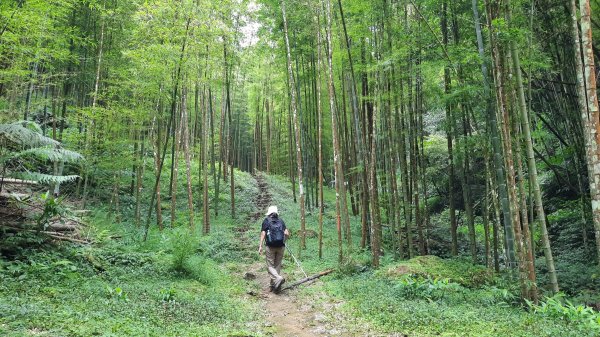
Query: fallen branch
(66, 238)
(306, 279)
(62, 227)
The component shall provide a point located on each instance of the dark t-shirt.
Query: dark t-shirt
(265, 224)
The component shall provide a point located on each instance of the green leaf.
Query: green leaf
(46, 178)
(52, 154)
(26, 134)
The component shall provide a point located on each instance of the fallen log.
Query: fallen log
(306, 279)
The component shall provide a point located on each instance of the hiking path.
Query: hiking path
(290, 313)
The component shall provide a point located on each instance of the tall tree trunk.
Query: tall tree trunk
(526, 237)
(175, 165)
(94, 102)
(206, 228)
(466, 187)
(362, 154)
(320, 134)
(158, 169)
(221, 152)
(206, 114)
(531, 167)
(449, 133)
(492, 125)
(268, 125)
(364, 205)
(229, 153)
(139, 175)
(588, 101)
(186, 153)
(334, 129)
(296, 129)
(373, 189)
(499, 73)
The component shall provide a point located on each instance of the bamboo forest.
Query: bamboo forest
(299, 168)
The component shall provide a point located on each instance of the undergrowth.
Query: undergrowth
(112, 291)
(179, 282)
(438, 307)
(176, 283)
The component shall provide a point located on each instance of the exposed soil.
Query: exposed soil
(263, 199)
(285, 314)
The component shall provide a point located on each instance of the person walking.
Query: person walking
(273, 233)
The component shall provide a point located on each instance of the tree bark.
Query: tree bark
(531, 167)
(186, 152)
(320, 135)
(449, 133)
(334, 129)
(588, 101)
(296, 130)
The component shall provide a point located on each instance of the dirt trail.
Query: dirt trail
(263, 199)
(285, 314)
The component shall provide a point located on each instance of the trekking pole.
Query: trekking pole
(297, 263)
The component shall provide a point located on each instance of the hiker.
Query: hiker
(274, 233)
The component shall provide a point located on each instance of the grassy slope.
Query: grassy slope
(62, 292)
(137, 295)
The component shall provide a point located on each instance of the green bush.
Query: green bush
(183, 246)
(408, 287)
(584, 319)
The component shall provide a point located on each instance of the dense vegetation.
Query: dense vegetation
(441, 155)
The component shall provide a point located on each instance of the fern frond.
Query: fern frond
(26, 134)
(52, 154)
(45, 178)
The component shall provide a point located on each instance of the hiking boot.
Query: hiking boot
(278, 284)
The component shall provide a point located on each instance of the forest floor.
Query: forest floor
(121, 285)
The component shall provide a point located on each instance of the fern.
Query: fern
(55, 155)
(45, 178)
(26, 134)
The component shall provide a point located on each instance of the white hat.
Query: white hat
(271, 210)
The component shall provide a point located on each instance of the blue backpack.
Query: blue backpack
(275, 233)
